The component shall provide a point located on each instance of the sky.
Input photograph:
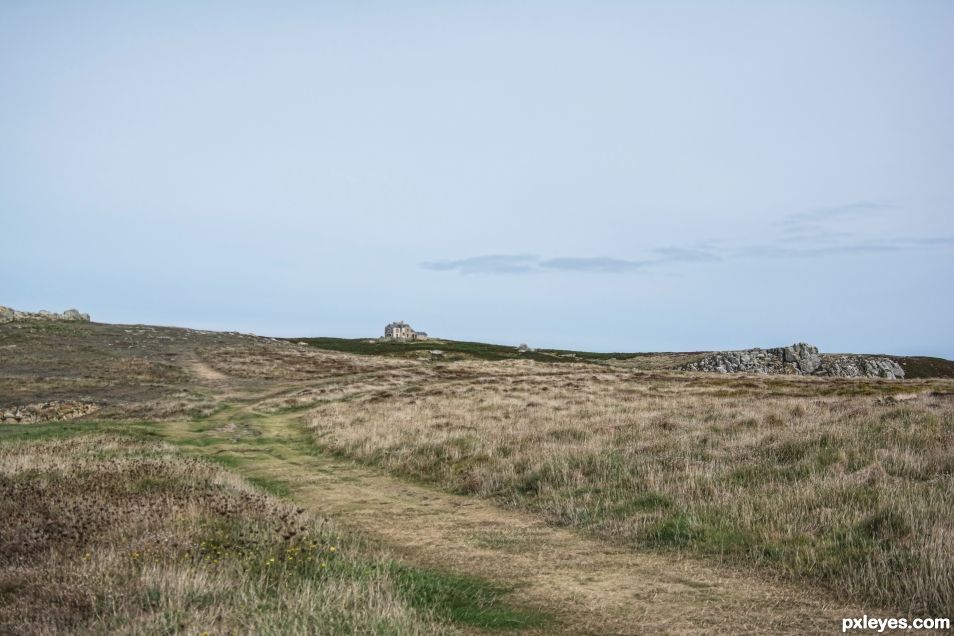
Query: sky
(609, 176)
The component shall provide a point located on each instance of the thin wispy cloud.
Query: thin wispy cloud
(804, 235)
(786, 252)
(594, 264)
(820, 215)
(525, 263)
(814, 233)
(489, 264)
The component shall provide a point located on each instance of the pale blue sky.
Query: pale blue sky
(592, 175)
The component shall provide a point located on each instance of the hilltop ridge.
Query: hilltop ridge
(8, 314)
(759, 361)
(544, 444)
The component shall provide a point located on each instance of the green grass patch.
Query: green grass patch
(38, 432)
(451, 349)
(463, 600)
(675, 530)
(646, 502)
(274, 486)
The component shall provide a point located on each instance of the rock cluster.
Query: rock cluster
(848, 366)
(12, 315)
(46, 412)
(802, 357)
(797, 359)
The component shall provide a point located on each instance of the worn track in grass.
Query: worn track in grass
(590, 586)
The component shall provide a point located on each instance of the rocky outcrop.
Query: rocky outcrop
(850, 366)
(797, 359)
(46, 412)
(802, 357)
(12, 315)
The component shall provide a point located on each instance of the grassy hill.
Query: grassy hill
(466, 464)
(915, 367)
(450, 349)
(925, 367)
(458, 349)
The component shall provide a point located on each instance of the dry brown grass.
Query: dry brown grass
(832, 481)
(283, 361)
(345, 388)
(101, 534)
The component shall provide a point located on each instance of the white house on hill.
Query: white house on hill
(400, 330)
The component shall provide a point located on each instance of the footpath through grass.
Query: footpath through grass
(852, 492)
(102, 532)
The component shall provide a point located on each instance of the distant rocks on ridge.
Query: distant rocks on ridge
(797, 359)
(54, 411)
(12, 315)
(853, 366)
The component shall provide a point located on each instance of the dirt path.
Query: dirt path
(206, 374)
(590, 586)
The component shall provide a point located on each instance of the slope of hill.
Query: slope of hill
(915, 367)
(925, 367)
(783, 501)
(447, 349)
